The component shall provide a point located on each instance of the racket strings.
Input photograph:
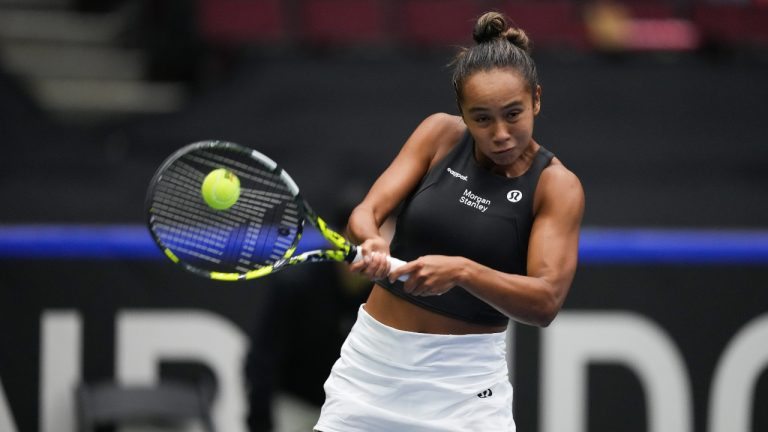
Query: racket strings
(256, 231)
(186, 226)
(264, 177)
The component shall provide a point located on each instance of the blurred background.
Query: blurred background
(658, 106)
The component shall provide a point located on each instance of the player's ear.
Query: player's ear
(537, 100)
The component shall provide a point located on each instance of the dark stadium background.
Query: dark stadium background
(666, 137)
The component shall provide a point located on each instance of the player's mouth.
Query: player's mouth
(504, 152)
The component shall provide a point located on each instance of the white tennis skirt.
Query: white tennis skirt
(390, 380)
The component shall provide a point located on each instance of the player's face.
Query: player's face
(498, 109)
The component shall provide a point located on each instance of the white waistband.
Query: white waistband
(392, 380)
(461, 358)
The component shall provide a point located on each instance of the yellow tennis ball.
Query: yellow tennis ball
(221, 189)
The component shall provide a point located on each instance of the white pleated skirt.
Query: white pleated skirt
(390, 380)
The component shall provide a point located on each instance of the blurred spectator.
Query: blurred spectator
(608, 25)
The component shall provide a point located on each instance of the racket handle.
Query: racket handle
(394, 263)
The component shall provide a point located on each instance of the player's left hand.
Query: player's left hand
(430, 274)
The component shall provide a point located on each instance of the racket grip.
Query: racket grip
(394, 263)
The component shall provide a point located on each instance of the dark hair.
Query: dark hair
(498, 46)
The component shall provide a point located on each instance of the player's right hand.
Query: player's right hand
(374, 264)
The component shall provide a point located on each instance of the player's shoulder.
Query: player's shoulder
(440, 132)
(558, 172)
(443, 124)
(558, 181)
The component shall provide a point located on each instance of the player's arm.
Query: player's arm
(552, 256)
(429, 141)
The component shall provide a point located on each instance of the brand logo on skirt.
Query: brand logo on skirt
(485, 394)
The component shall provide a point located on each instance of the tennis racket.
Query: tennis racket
(256, 236)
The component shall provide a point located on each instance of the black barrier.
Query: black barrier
(664, 330)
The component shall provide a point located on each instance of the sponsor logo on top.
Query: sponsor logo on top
(457, 174)
(514, 196)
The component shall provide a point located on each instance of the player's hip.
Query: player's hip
(387, 379)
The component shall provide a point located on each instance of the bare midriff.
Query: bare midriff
(393, 311)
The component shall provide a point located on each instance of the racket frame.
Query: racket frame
(344, 251)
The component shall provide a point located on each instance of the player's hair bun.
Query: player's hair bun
(499, 45)
(493, 25)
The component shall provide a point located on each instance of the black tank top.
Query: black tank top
(460, 208)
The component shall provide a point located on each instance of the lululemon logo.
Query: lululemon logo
(514, 196)
(485, 394)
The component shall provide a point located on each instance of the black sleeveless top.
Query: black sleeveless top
(460, 208)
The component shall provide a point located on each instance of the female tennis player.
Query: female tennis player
(489, 225)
